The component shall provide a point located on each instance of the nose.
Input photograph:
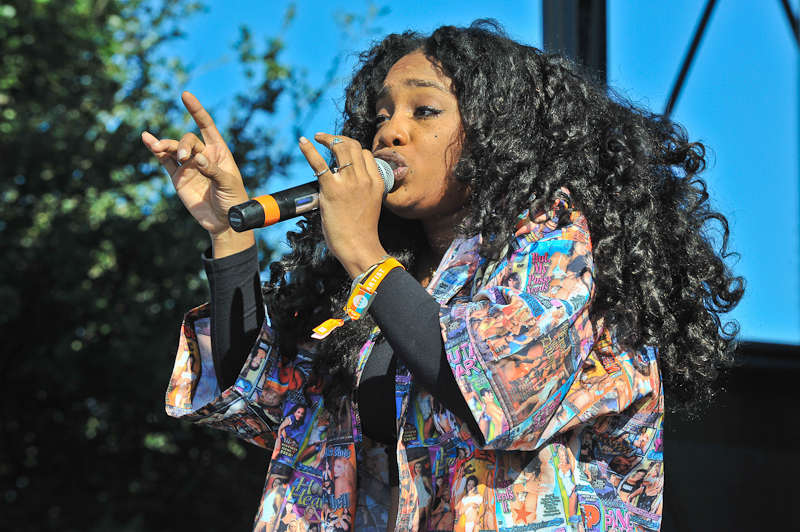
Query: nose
(393, 132)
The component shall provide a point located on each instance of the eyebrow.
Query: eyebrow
(413, 82)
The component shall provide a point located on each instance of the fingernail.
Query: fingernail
(182, 153)
(201, 160)
(303, 140)
(156, 145)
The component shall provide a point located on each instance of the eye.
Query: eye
(380, 119)
(426, 112)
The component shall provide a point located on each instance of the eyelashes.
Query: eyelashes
(426, 112)
(422, 112)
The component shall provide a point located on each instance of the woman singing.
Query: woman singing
(524, 193)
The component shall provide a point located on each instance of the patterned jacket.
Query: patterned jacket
(571, 423)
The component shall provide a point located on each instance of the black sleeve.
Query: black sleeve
(409, 318)
(237, 311)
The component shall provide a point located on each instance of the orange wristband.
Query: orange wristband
(360, 296)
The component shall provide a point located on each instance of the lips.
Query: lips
(395, 160)
(397, 163)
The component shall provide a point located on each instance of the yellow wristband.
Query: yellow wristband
(368, 271)
(361, 296)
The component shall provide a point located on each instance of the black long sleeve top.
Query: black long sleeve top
(407, 315)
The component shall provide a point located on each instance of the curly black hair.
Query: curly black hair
(534, 122)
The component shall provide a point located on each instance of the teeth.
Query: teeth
(393, 165)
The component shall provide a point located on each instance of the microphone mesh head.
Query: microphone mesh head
(387, 174)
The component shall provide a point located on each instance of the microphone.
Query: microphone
(270, 209)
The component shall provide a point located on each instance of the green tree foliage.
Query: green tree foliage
(100, 260)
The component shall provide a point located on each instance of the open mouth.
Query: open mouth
(396, 162)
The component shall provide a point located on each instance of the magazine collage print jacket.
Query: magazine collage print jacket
(571, 424)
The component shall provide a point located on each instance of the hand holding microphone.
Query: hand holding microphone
(350, 200)
(270, 209)
(349, 196)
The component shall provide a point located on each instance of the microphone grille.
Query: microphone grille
(387, 174)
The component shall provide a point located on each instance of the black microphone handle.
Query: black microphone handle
(273, 208)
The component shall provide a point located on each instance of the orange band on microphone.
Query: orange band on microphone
(272, 214)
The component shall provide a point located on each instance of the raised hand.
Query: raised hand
(206, 178)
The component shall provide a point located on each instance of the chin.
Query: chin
(408, 212)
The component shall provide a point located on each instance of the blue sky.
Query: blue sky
(740, 98)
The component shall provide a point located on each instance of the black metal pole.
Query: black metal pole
(687, 62)
(793, 22)
(577, 28)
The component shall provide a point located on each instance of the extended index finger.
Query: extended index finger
(208, 129)
(313, 157)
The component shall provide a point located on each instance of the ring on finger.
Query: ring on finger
(337, 168)
(336, 140)
(322, 172)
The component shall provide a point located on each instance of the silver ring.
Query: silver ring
(337, 168)
(336, 140)
(322, 172)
